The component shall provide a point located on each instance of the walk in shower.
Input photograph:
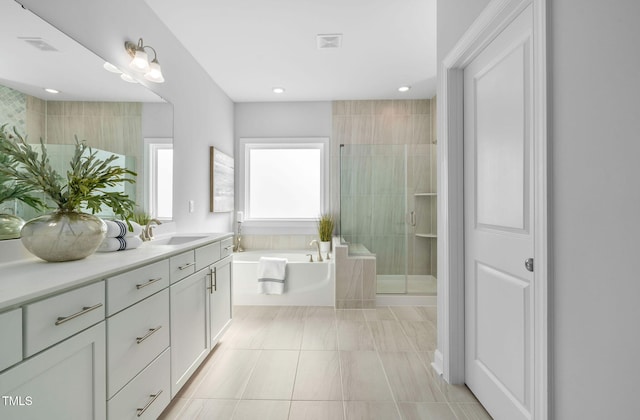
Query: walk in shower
(388, 208)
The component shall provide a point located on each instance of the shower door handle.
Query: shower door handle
(412, 218)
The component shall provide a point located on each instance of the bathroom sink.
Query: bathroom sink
(175, 240)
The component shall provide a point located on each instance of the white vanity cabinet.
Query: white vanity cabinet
(11, 341)
(188, 327)
(66, 381)
(99, 341)
(219, 289)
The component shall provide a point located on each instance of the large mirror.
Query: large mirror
(93, 104)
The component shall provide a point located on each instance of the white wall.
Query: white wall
(595, 202)
(278, 119)
(203, 113)
(282, 119)
(595, 121)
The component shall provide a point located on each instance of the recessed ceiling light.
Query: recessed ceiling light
(404, 88)
(278, 90)
(51, 90)
(110, 67)
(127, 78)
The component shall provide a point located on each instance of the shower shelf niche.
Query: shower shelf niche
(421, 223)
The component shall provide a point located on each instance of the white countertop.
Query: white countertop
(32, 278)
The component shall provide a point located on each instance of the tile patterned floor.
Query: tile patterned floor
(316, 363)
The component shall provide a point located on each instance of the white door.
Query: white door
(498, 185)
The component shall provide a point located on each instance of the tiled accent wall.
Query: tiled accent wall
(355, 279)
(13, 109)
(277, 241)
(387, 126)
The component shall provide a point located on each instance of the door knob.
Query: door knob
(528, 263)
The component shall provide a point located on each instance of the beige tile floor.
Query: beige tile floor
(316, 363)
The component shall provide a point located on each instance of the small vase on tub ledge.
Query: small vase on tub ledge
(67, 234)
(325, 231)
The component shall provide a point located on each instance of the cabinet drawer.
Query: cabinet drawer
(128, 288)
(207, 255)
(146, 395)
(52, 320)
(182, 265)
(11, 333)
(226, 247)
(135, 337)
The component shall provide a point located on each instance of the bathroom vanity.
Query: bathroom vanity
(113, 336)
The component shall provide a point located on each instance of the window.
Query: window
(159, 154)
(284, 181)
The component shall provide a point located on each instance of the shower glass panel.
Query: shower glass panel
(387, 208)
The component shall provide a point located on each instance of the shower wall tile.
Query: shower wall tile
(358, 107)
(423, 106)
(36, 104)
(93, 109)
(349, 272)
(55, 129)
(383, 129)
(93, 130)
(402, 129)
(341, 130)
(388, 215)
(403, 107)
(421, 128)
(74, 126)
(55, 108)
(369, 279)
(362, 129)
(73, 108)
(383, 107)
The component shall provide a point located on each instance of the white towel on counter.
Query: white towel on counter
(119, 244)
(271, 275)
(119, 229)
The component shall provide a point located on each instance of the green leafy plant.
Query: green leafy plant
(325, 227)
(11, 190)
(140, 216)
(86, 179)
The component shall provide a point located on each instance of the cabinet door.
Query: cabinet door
(188, 327)
(66, 381)
(219, 290)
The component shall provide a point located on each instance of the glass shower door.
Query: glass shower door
(373, 209)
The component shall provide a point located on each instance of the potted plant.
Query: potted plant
(325, 231)
(67, 233)
(11, 224)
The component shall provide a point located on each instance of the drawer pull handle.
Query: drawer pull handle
(185, 266)
(148, 334)
(141, 411)
(85, 309)
(228, 247)
(148, 283)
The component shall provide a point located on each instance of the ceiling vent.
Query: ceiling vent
(329, 41)
(38, 43)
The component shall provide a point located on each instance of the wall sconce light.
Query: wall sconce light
(140, 61)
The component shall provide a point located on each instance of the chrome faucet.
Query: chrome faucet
(318, 246)
(147, 232)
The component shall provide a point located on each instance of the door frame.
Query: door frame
(450, 354)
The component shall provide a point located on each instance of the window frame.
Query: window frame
(151, 146)
(281, 226)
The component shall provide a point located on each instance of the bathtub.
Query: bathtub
(306, 283)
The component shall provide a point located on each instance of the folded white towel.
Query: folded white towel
(271, 275)
(119, 229)
(119, 244)
(116, 228)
